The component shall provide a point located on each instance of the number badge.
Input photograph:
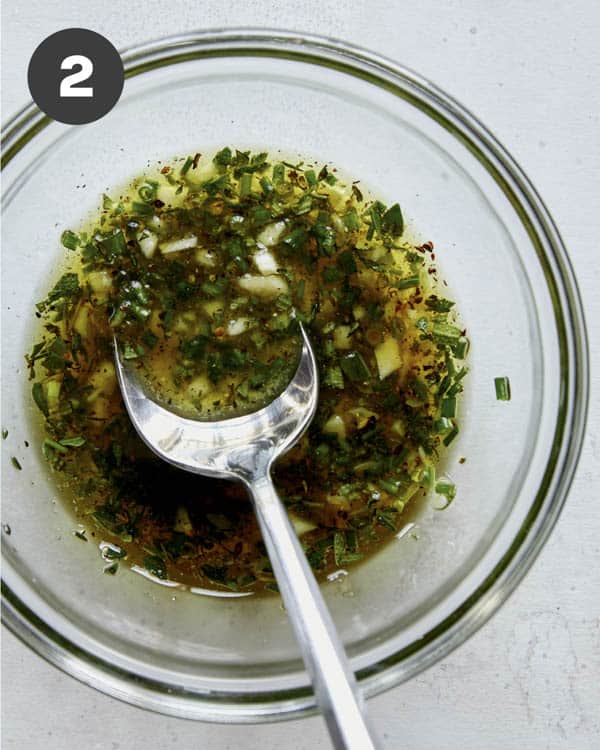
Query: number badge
(75, 76)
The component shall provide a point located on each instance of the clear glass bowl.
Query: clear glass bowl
(423, 594)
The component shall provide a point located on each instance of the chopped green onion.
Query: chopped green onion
(451, 435)
(502, 388)
(392, 487)
(334, 377)
(245, 184)
(114, 243)
(438, 304)
(448, 490)
(69, 239)
(442, 425)
(311, 178)
(408, 283)
(355, 367)
(393, 221)
(186, 165)
(49, 445)
(304, 205)
(266, 185)
(148, 190)
(449, 407)
(224, 157)
(444, 333)
(461, 347)
(74, 442)
(351, 220)
(37, 391)
(142, 209)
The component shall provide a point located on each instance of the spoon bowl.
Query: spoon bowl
(232, 448)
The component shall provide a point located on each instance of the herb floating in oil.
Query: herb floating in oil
(202, 271)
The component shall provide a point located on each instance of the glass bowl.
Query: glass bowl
(443, 576)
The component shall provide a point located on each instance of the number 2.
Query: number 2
(67, 84)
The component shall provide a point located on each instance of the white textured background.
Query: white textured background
(531, 678)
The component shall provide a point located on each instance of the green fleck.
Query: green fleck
(438, 304)
(73, 442)
(448, 490)
(393, 221)
(39, 397)
(14, 461)
(69, 239)
(66, 287)
(245, 184)
(49, 447)
(449, 407)
(355, 367)
(444, 333)
(502, 388)
(451, 435)
(389, 485)
(186, 165)
(141, 209)
(351, 220)
(461, 347)
(410, 282)
(148, 190)
(386, 518)
(334, 377)
(114, 243)
(224, 157)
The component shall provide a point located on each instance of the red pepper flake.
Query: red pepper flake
(196, 160)
(426, 247)
(165, 170)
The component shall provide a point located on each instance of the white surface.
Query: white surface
(531, 677)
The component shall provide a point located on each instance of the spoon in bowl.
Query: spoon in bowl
(243, 449)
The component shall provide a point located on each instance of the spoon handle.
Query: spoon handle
(335, 687)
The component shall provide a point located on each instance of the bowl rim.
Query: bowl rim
(545, 509)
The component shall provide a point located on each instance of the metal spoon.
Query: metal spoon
(244, 449)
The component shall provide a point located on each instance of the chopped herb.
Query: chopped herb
(448, 490)
(15, 462)
(502, 388)
(69, 240)
(354, 366)
(334, 377)
(408, 283)
(438, 304)
(39, 397)
(392, 221)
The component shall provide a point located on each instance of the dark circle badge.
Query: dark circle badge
(75, 76)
